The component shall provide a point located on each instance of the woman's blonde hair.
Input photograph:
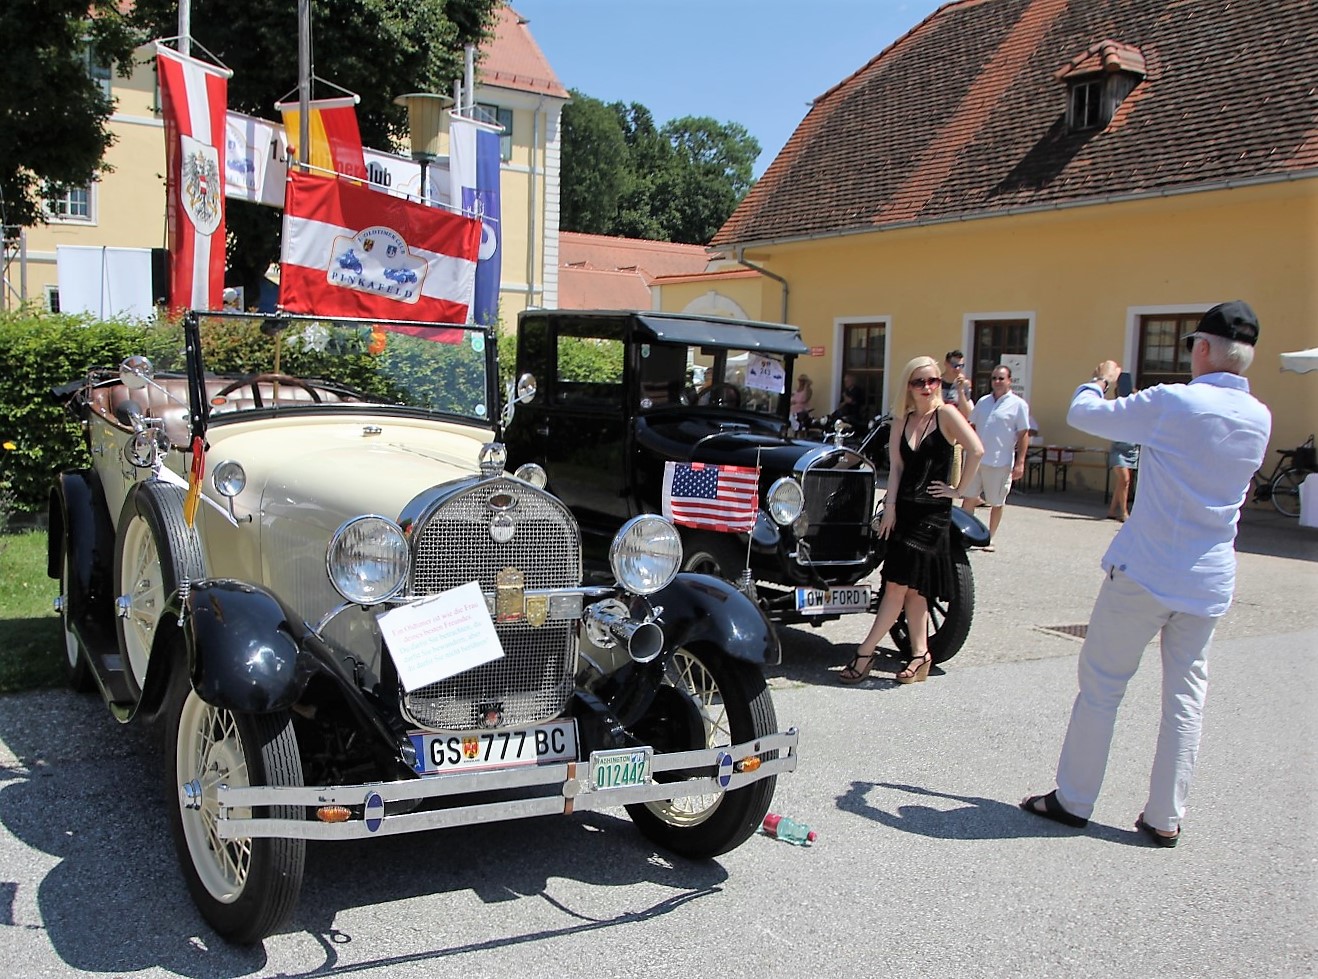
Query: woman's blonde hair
(902, 401)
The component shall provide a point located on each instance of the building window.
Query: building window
(52, 299)
(862, 357)
(1162, 358)
(499, 117)
(98, 69)
(992, 342)
(1087, 105)
(69, 203)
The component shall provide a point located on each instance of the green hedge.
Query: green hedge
(39, 351)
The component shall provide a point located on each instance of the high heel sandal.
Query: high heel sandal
(916, 674)
(853, 668)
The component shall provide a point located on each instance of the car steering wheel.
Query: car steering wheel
(721, 395)
(256, 380)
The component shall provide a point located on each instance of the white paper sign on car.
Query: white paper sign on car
(440, 636)
(765, 374)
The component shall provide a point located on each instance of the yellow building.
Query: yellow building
(126, 207)
(1049, 184)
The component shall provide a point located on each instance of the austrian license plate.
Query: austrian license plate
(441, 752)
(620, 767)
(816, 601)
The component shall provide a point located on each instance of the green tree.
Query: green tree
(675, 183)
(52, 112)
(376, 48)
(593, 171)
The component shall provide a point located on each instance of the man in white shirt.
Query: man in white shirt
(1002, 420)
(1171, 568)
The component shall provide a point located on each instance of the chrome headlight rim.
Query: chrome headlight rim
(785, 501)
(334, 551)
(229, 478)
(533, 473)
(637, 565)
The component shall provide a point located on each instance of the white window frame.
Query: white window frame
(56, 217)
(840, 323)
(499, 115)
(1024, 383)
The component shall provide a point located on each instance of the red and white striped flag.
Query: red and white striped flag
(352, 251)
(192, 98)
(724, 498)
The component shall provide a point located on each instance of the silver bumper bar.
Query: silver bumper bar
(575, 793)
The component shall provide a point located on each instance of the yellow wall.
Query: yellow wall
(1078, 273)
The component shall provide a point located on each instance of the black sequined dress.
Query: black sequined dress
(919, 554)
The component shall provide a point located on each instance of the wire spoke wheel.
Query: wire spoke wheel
(706, 700)
(1285, 492)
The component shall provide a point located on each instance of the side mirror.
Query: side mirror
(146, 447)
(526, 388)
(522, 392)
(136, 372)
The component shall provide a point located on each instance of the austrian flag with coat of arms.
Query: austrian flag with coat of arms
(352, 251)
(193, 96)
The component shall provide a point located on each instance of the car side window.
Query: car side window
(589, 371)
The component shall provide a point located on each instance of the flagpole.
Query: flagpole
(304, 81)
(185, 27)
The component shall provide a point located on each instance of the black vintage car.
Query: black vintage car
(621, 394)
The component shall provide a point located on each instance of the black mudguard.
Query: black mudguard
(246, 652)
(79, 517)
(968, 528)
(701, 608)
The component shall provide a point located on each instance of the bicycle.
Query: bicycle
(1282, 485)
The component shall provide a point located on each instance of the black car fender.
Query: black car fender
(701, 608)
(967, 529)
(245, 651)
(80, 521)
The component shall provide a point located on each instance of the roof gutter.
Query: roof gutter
(741, 260)
(963, 216)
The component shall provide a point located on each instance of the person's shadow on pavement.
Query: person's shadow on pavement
(979, 818)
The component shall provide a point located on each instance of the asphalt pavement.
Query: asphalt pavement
(924, 866)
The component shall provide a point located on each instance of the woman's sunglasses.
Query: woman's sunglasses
(922, 382)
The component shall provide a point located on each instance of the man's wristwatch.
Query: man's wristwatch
(1100, 380)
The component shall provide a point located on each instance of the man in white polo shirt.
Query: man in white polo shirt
(1002, 420)
(1171, 569)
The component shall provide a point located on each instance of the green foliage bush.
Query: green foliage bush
(40, 351)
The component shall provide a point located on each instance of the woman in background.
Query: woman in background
(801, 400)
(1123, 458)
(917, 512)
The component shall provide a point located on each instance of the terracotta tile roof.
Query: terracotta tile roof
(965, 115)
(650, 258)
(1103, 57)
(512, 59)
(582, 288)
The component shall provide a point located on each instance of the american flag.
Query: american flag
(724, 498)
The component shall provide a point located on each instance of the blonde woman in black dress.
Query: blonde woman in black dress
(917, 513)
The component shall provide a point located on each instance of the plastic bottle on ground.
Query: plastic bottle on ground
(788, 829)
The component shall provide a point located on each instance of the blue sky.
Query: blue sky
(756, 62)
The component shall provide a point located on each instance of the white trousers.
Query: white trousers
(1125, 618)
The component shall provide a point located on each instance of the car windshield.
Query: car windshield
(256, 363)
(726, 377)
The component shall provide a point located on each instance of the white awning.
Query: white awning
(1300, 361)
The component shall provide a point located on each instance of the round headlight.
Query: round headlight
(646, 554)
(229, 478)
(367, 560)
(786, 501)
(530, 472)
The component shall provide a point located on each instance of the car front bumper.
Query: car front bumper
(366, 803)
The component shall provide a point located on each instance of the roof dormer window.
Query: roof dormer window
(1097, 80)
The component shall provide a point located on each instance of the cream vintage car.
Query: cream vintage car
(352, 622)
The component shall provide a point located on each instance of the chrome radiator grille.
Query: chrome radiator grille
(838, 506)
(534, 679)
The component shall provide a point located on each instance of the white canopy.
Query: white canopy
(1300, 361)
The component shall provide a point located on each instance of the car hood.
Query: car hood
(689, 437)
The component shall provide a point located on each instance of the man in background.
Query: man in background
(1171, 569)
(1002, 420)
(956, 391)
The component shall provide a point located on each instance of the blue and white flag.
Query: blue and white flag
(474, 186)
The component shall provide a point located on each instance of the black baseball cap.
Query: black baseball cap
(1233, 320)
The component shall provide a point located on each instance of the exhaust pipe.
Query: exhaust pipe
(608, 624)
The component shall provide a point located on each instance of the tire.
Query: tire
(77, 671)
(707, 699)
(246, 889)
(155, 550)
(720, 555)
(1285, 491)
(949, 620)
